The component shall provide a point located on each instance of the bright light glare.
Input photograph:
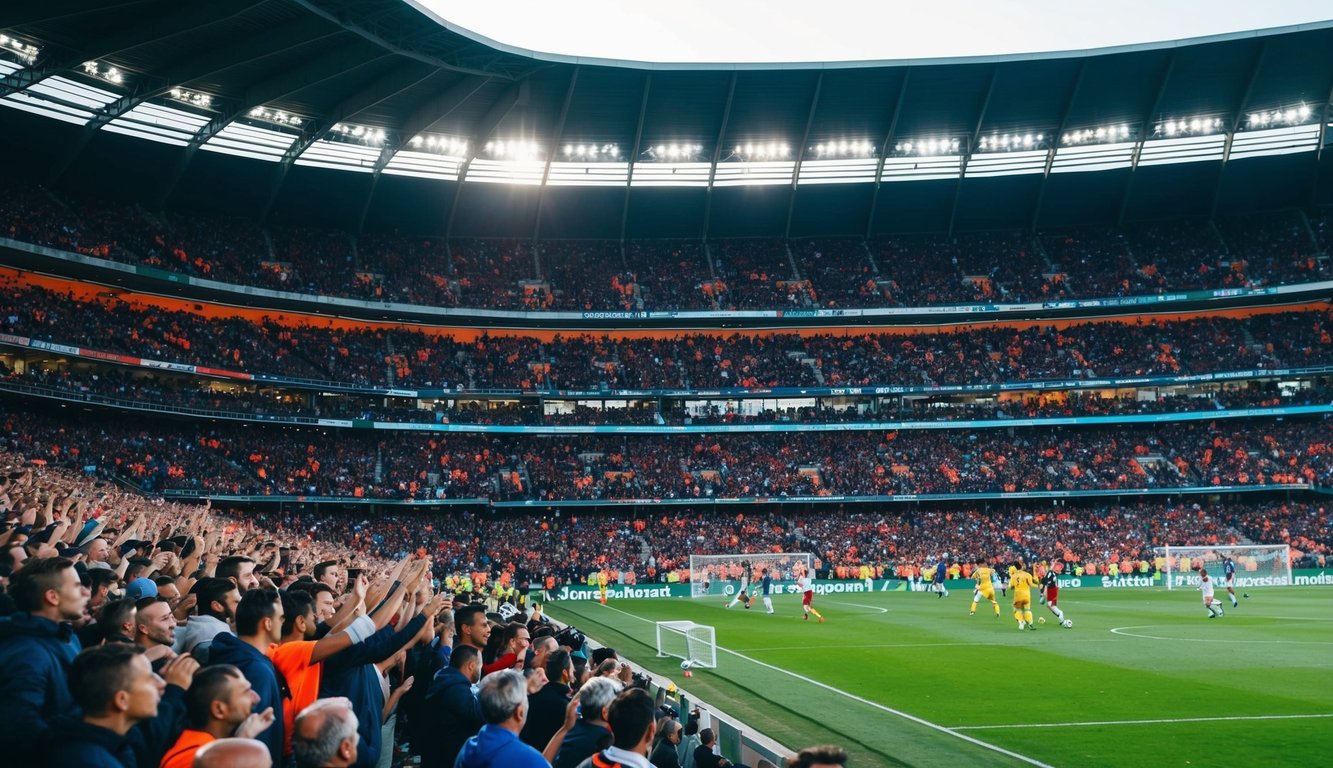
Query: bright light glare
(689, 31)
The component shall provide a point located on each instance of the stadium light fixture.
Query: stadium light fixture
(361, 133)
(673, 152)
(1275, 118)
(25, 52)
(933, 145)
(842, 148)
(1193, 126)
(443, 145)
(108, 73)
(275, 116)
(594, 152)
(1102, 134)
(1011, 142)
(514, 149)
(767, 150)
(193, 98)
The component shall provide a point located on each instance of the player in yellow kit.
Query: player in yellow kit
(601, 586)
(983, 574)
(1022, 582)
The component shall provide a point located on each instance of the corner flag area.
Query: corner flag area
(905, 678)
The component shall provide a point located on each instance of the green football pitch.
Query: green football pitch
(898, 678)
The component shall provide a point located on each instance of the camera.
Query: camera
(571, 637)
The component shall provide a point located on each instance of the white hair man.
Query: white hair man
(504, 705)
(325, 734)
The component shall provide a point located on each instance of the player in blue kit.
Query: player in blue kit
(766, 587)
(1229, 578)
(941, 573)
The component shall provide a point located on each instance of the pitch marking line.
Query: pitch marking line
(858, 605)
(1123, 632)
(1138, 722)
(868, 702)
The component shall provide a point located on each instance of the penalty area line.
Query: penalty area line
(897, 712)
(1139, 722)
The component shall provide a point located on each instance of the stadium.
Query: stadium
(380, 391)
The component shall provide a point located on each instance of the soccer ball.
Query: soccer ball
(1067, 624)
(1041, 619)
(687, 664)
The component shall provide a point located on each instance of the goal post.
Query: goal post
(720, 575)
(1257, 565)
(686, 640)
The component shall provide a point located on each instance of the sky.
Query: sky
(775, 31)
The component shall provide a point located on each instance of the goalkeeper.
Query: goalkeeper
(743, 594)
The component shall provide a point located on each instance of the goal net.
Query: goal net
(720, 575)
(687, 640)
(1257, 565)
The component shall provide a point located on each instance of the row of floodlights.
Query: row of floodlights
(360, 133)
(276, 116)
(1006, 142)
(25, 52)
(1099, 135)
(592, 151)
(108, 73)
(1279, 117)
(1194, 126)
(442, 144)
(193, 98)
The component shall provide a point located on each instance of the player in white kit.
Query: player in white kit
(1206, 587)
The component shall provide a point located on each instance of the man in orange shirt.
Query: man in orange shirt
(219, 704)
(298, 656)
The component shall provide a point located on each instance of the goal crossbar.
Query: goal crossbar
(687, 640)
(1257, 565)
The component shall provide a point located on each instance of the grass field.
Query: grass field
(1143, 677)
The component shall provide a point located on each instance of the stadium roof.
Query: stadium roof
(374, 86)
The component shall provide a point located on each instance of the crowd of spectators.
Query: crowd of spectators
(970, 355)
(145, 389)
(141, 633)
(1257, 250)
(288, 461)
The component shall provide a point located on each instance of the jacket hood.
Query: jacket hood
(24, 624)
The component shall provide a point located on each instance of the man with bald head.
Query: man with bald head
(326, 734)
(233, 753)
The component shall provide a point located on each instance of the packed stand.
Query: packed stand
(142, 635)
(1262, 250)
(839, 271)
(370, 356)
(756, 274)
(1095, 262)
(139, 388)
(285, 461)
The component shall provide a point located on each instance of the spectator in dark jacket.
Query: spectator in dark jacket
(452, 708)
(258, 625)
(546, 708)
(664, 754)
(591, 733)
(37, 645)
(504, 704)
(116, 688)
(351, 674)
(632, 718)
(703, 754)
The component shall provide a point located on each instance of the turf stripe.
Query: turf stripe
(1137, 722)
(867, 702)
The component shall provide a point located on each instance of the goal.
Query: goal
(720, 575)
(1257, 565)
(687, 640)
